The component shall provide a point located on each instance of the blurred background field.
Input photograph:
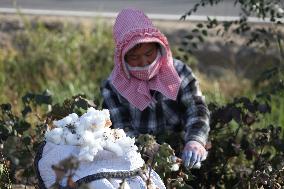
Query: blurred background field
(70, 56)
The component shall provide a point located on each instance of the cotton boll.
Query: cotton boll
(85, 122)
(105, 114)
(85, 155)
(94, 150)
(91, 111)
(97, 147)
(113, 147)
(70, 119)
(119, 133)
(54, 135)
(99, 123)
(175, 167)
(127, 144)
(59, 123)
(99, 134)
(72, 139)
(97, 144)
(108, 135)
(74, 117)
(79, 129)
(87, 139)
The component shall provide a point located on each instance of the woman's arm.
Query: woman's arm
(196, 115)
(196, 118)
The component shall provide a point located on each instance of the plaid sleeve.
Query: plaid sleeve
(119, 111)
(196, 115)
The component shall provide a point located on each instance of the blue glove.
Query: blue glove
(193, 154)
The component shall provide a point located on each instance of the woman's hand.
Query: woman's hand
(193, 153)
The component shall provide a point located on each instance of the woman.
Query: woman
(150, 92)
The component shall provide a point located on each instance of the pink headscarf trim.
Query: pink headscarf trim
(132, 27)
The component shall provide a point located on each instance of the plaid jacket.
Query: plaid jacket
(188, 113)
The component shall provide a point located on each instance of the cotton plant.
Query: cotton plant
(91, 132)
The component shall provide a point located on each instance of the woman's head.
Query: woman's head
(137, 40)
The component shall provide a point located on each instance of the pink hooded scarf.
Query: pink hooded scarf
(132, 27)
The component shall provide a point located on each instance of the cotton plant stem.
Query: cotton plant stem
(280, 45)
(151, 167)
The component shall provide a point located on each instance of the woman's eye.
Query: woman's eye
(149, 53)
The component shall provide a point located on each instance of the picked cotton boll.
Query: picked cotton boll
(108, 135)
(87, 139)
(127, 144)
(97, 144)
(74, 117)
(70, 119)
(100, 134)
(79, 128)
(99, 123)
(95, 149)
(119, 133)
(105, 113)
(92, 111)
(55, 135)
(85, 155)
(85, 122)
(113, 147)
(72, 139)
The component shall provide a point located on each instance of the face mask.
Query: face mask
(146, 72)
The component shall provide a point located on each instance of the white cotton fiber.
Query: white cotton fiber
(72, 139)
(70, 119)
(87, 139)
(127, 144)
(55, 135)
(175, 167)
(85, 122)
(91, 133)
(99, 123)
(119, 133)
(105, 113)
(113, 147)
(85, 155)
